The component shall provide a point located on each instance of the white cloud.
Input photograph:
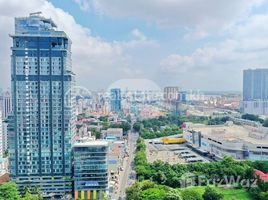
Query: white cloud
(195, 34)
(138, 41)
(92, 56)
(200, 18)
(137, 34)
(202, 13)
(245, 47)
(214, 65)
(84, 5)
(177, 63)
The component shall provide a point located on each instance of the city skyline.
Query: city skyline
(129, 43)
(133, 100)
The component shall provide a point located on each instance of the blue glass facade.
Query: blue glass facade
(255, 84)
(90, 169)
(115, 100)
(42, 124)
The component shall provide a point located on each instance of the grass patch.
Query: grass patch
(229, 193)
(235, 194)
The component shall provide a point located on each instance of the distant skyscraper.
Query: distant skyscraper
(182, 96)
(171, 93)
(43, 118)
(255, 91)
(171, 99)
(6, 110)
(90, 169)
(6, 104)
(115, 100)
(1, 138)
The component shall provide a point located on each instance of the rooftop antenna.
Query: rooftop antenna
(36, 13)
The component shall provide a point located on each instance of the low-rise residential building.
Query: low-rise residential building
(90, 163)
(240, 142)
(117, 133)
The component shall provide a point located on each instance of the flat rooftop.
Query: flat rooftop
(91, 143)
(232, 133)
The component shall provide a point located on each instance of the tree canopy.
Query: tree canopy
(9, 191)
(211, 194)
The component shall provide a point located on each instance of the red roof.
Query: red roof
(183, 125)
(262, 175)
(4, 178)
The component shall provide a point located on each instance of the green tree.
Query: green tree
(9, 191)
(191, 195)
(95, 133)
(211, 194)
(128, 118)
(252, 118)
(265, 123)
(173, 195)
(103, 118)
(261, 165)
(146, 190)
(133, 191)
(5, 154)
(26, 190)
(104, 196)
(38, 192)
(152, 194)
(262, 185)
(124, 125)
(250, 175)
(264, 195)
(105, 125)
(29, 196)
(137, 126)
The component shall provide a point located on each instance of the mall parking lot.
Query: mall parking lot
(171, 153)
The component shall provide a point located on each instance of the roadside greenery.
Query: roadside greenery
(160, 127)
(217, 120)
(166, 131)
(191, 195)
(255, 118)
(124, 125)
(174, 175)
(148, 190)
(157, 123)
(177, 176)
(252, 118)
(163, 181)
(9, 191)
(151, 191)
(226, 193)
(211, 194)
(95, 133)
(171, 125)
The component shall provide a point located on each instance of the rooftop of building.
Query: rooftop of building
(114, 129)
(232, 133)
(38, 25)
(263, 176)
(91, 143)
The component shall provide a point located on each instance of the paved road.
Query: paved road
(126, 177)
(125, 180)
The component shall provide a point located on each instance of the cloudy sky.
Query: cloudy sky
(194, 44)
